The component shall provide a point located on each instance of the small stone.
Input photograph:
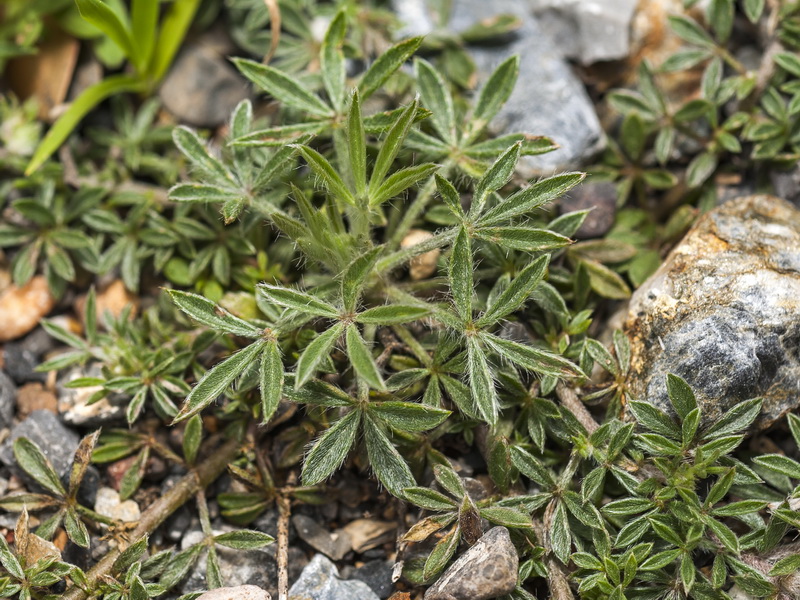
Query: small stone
(73, 403)
(600, 199)
(487, 570)
(202, 88)
(588, 30)
(21, 357)
(43, 428)
(548, 99)
(113, 299)
(8, 392)
(721, 312)
(240, 592)
(377, 574)
(21, 308)
(33, 396)
(369, 533)
(786, 184)
(423, 265)
(334, 545)
(109, 505)
(320, 581)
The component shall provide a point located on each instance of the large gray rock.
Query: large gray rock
(723, 312)
(320, 581)
(588, 30)
(548, 100)
(487, 570)
(202, 88)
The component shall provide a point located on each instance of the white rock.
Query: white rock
(240, 592)
(109, 505)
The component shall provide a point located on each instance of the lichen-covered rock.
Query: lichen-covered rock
(723, 312)
(487, 570)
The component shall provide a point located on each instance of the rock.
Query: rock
(20, 358)
(21, 308)
(256, 567)
(73, 403)
(114, 299)
(548, 99)
(601, 199)
(8, 393)
(487, 570)
(369, 533)
(202, 88)
(334, 545)
(377, 574)
(241, 592)
(33, 396)
(320, 581)
(108, 504)
(721, 312)
(786, 184)
(588, 30)
(423, 265)
(43, 428)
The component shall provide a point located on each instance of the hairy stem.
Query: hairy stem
(195, 480)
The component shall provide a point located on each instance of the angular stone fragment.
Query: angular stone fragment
(723, 312)
(548, 100)
(320, 581)
(588, 30)
(487, 570)
(333, 545)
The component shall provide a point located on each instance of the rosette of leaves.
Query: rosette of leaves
(34, 568)
(48, 235)
(56, 497)
(143, 359)
(454, 507)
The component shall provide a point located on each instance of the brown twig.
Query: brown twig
(570, 401)
(556, 575)
(275, 27)
(284, 514)
(197, 479)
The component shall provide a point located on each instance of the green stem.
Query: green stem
(409, 340)
(394, 259)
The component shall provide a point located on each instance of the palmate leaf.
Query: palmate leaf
(356, 145)
(315, 353)
(400, 181)
(217, 379)
(516, 293)
(196, 151)
(361, 358)
(495, 92)
(495, 177)
(532, 359)
(386, 64)
(282, 87)
(330, 449)
(526, 239)
(204, 311)
(355, 277)
(435, 95)
(460, 272)
(270, 380)
(31, 460)
(332, 60)
(532, 197)
(329, 176)
(391, 145)
(481, 381)
(390, 468)
(298, 300)
(408, 416)
(441, 553)
(392, 314)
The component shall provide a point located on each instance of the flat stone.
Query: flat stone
(549, 99)
(43, 428)
(369, 533)
(202, 88)
(333, 545)
(722, 312)
(487, 570)
(588, 30)
(320, 581)
(600, 199)
(240, 592)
